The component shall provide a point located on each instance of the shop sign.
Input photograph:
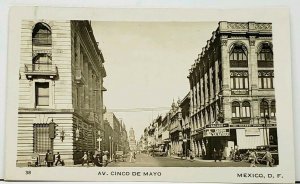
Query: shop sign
(252, 131)
(219, 125)
(240, 92)
(253, 125)
(216, 132)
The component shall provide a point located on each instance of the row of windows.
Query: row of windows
(242, 81)
(244, 110)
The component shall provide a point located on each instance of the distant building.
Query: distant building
(60, 83)
(132, 141)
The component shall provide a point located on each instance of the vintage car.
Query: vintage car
(261, 150)
(120, 156)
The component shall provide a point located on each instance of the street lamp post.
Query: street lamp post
(99, 143)
(110, 148)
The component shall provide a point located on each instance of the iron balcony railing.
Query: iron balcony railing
(238, 63)
(267, 64)
(41, 69)
(42, 41)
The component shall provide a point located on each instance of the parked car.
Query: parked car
(261, 150)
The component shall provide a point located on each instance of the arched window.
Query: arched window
(264, 109)
(41, 35)
(273, 109)
(238, 56)
(246, 109)
(235, 109)
(265, 56)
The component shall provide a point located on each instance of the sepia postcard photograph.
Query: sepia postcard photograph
(149, 95)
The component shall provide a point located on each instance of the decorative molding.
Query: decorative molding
(252, 40)
(224, 42)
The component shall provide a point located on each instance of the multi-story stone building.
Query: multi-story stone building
(165, 135)
(175, 128)
(232, 89)
(124, 146)
(115, 137)
(61, 84)
(185, 124)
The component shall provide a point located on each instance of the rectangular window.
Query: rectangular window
(265, 80)
(246, 111)
(41, 140)
(42, 94)
(239, 80)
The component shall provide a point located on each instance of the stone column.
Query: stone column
(216, 76)
(253, 78)
(226, 78)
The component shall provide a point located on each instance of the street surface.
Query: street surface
(144, 160)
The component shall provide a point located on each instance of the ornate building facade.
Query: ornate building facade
(132, 141)
(61, 90)
(232, 100)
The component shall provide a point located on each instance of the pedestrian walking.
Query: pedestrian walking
(104, 159)
(231, 153)
(85, 159)
(97, 161)
(49, 158)
(268, 158)
(58, 159)
(252, 159)
(220, 154)
(131, 159)
(215, 154)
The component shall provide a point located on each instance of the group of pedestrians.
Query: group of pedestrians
(217, 154)
(252, 157)
(52, 159)
(97, 159)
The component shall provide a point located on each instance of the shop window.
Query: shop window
(273, 109)
(42, 94)
(265, 79)
(265, 56)
(235, 109)
(41, 34)
(239, 79)
(264, 109)
(41, 140)
(246, 109)
(238, 56)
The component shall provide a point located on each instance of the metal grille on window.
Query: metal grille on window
(41, 140)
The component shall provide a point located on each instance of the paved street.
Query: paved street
(144, 160)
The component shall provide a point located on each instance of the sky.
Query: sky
(147, 64)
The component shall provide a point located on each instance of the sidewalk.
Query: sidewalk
(197, 159)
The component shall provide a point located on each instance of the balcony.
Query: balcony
(238, 63)
(265, 64)
(47, 41)
(48, 69)
(79, 77)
